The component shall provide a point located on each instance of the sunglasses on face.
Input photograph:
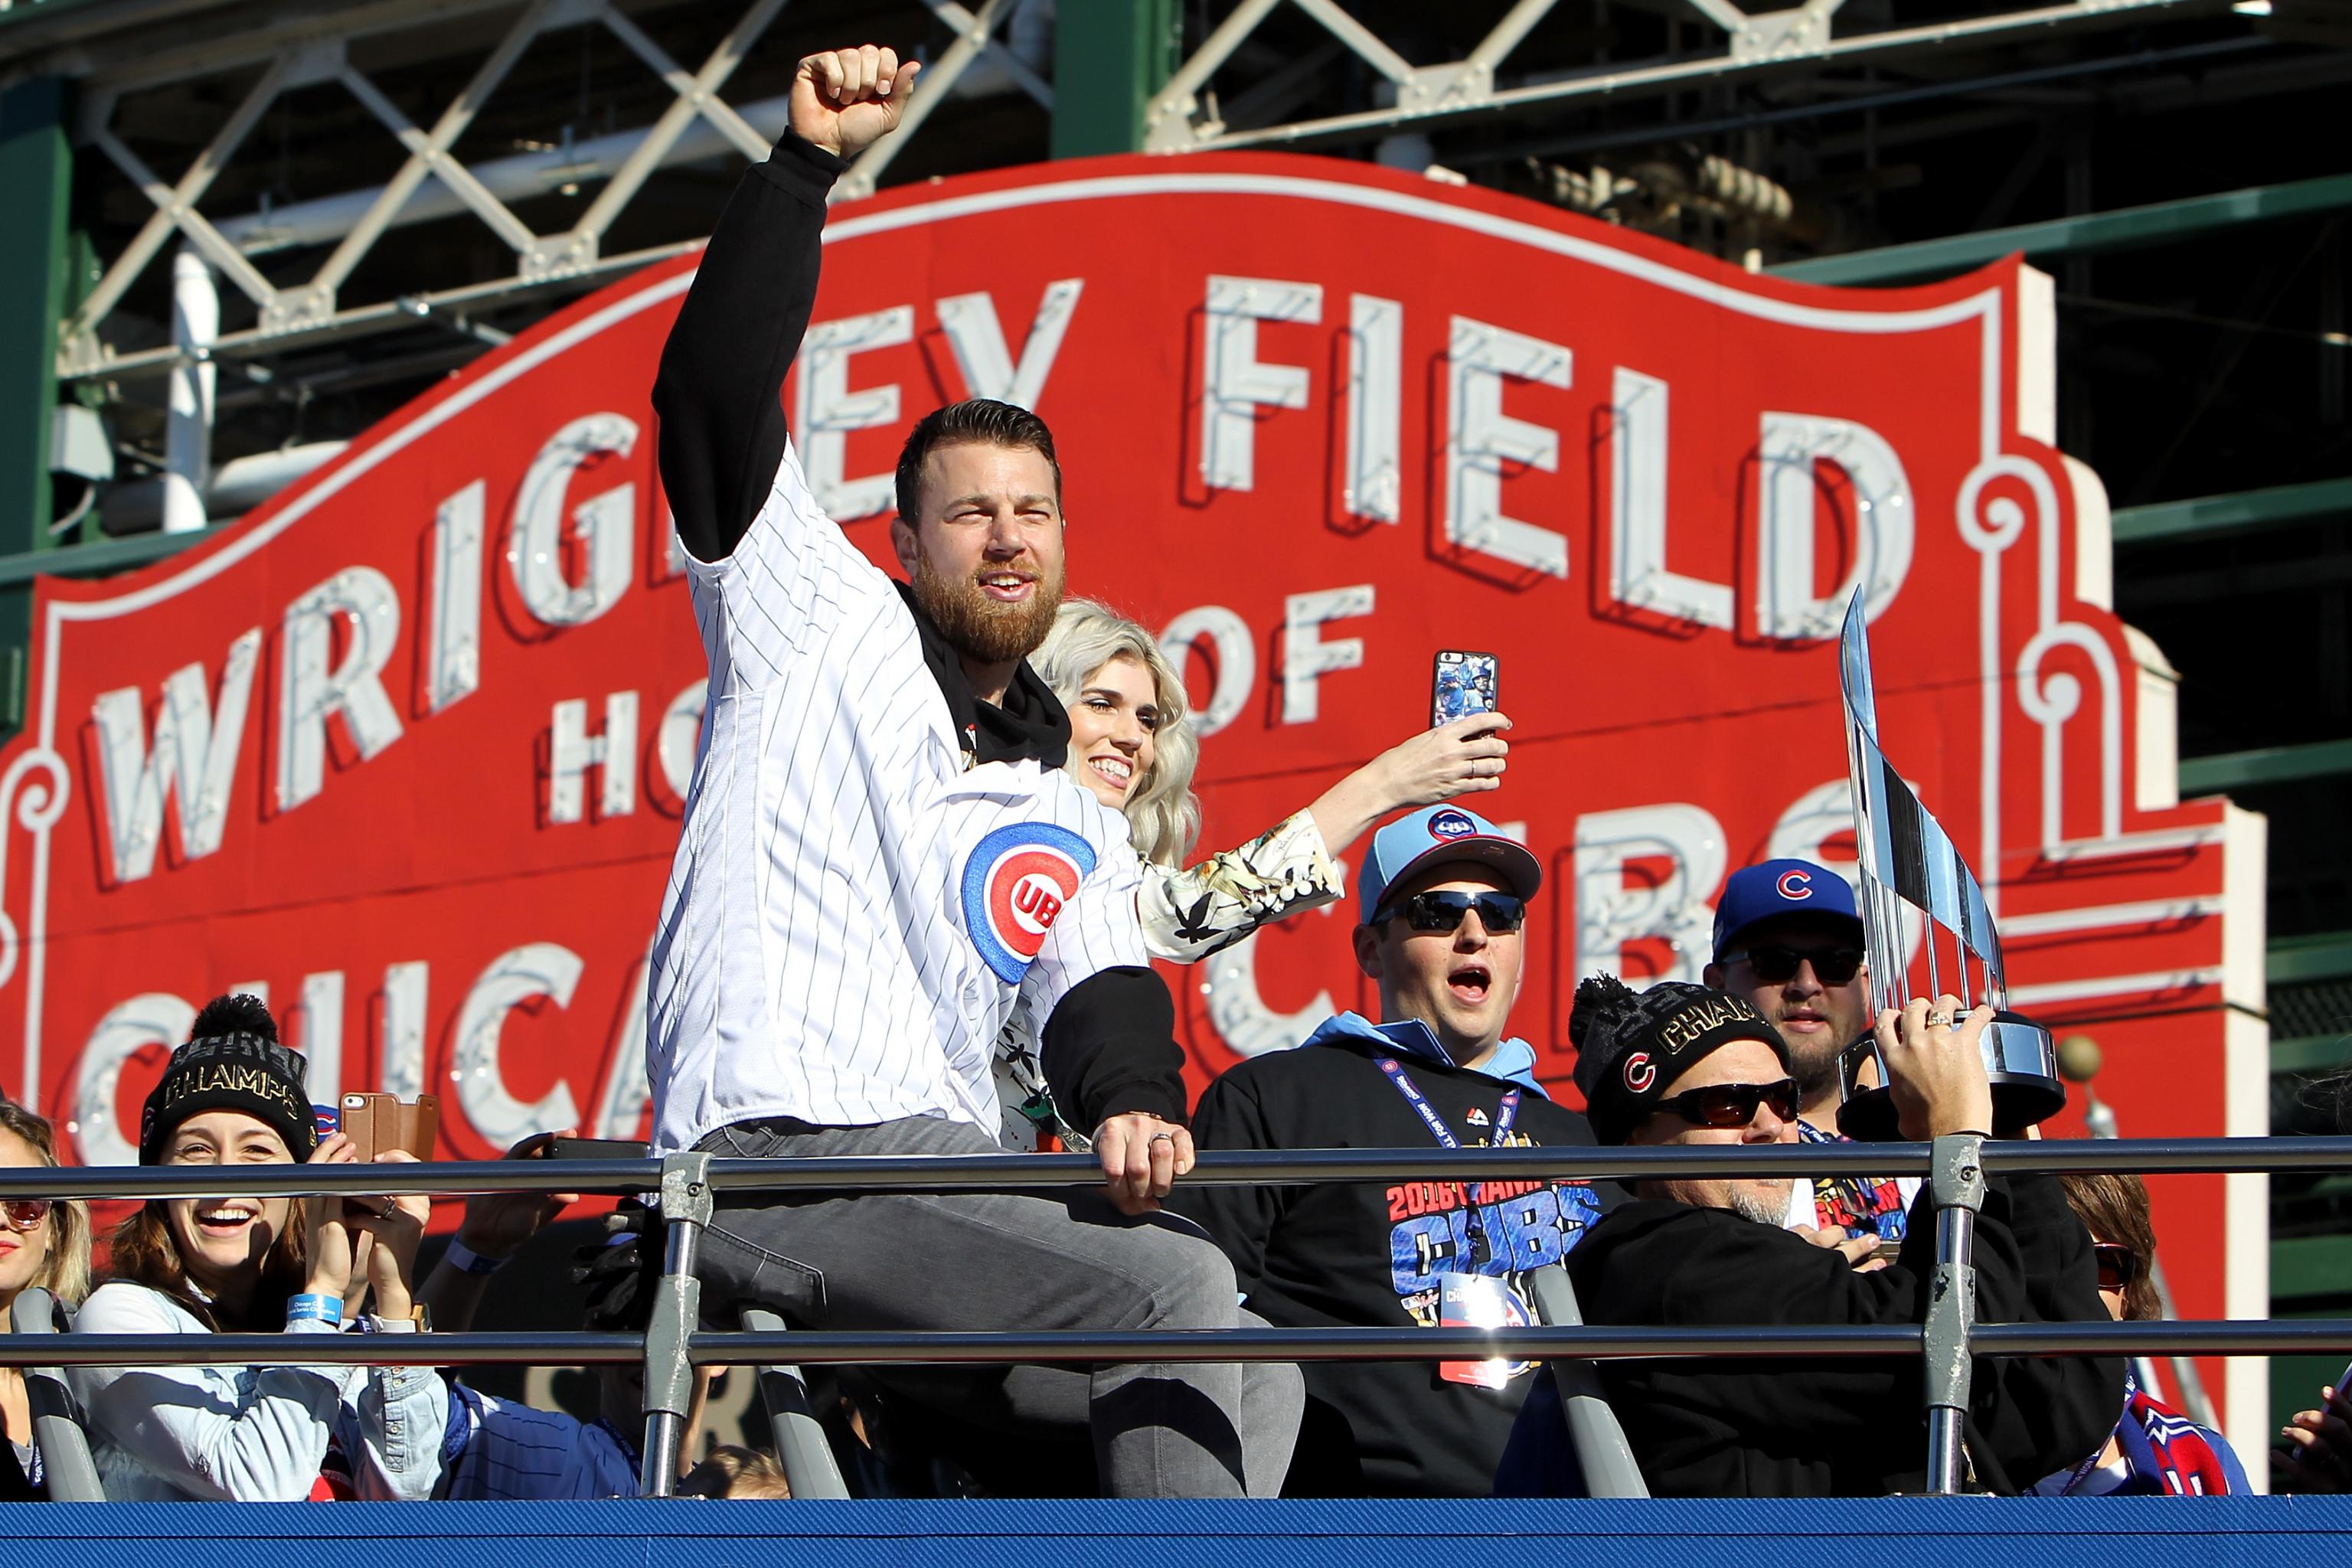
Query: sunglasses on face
(25, 1214)
(1499, 913)
(1733, 1104)
(2119, 1266)
(1778, 965)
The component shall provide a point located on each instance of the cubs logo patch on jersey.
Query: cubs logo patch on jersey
(1016, 881)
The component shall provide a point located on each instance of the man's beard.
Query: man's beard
(1748, 1201)
(980, 627)
(1814, 1063)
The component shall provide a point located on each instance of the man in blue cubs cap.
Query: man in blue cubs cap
(1443, 908)
(1788, 939)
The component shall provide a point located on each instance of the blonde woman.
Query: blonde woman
(1133, 746)
(44, 1243)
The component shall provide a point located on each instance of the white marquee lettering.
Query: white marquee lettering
(607, 524)
(1791, 444)
(1375, 487)
(1237, 661)
(679, 741)
(1239, 1013)
(320, 1035)
(1237, 384)
(153, 1018)
(1639, 578)
(520, 975)
(572, 751)
(1480, 438)
(977, 340)
(1610, 914)
(194, 760)
(627, 1094)
(456, 658)
(1306, 657)
(399, 1051)
(309, 693)
(826, 411)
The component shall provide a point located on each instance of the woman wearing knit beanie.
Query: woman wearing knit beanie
(234, 1095)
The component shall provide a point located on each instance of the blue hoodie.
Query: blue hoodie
(1514, 1062)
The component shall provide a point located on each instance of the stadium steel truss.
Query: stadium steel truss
(699, 121)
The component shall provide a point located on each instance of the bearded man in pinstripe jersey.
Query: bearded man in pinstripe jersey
(883, 861)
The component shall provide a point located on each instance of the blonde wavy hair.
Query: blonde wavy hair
(64, 1272)
(1162, 815)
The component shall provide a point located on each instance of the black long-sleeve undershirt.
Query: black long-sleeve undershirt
(719, 394)
(1110, 1047)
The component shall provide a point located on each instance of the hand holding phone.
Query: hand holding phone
(375, 1122)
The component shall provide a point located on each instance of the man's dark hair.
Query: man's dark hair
(237, 1014)
(980, 421)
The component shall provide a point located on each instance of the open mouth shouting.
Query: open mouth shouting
(1470, 982)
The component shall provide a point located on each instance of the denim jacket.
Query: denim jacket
(249, 1434)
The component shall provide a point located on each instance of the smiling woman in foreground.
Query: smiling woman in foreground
(234, 1095)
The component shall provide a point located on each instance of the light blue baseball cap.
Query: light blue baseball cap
(1436, 834)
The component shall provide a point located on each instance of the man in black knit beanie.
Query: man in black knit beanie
(1680, 1064)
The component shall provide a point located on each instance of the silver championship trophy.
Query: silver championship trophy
(1906, 858)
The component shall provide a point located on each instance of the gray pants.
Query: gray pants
(1016, 1261)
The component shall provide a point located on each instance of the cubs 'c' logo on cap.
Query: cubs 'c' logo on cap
(1451, 824)
(1640, 1072)
(1015, 882)
(1795, 885)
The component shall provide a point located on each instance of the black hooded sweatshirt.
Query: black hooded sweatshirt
(1831, 1427)
(1369, 1255)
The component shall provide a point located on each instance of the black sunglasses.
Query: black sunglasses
(1499, 913)
(1733, 1104)
(2119, 1266)
(1778, 965)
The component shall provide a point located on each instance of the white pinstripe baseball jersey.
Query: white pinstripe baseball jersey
(852, 916)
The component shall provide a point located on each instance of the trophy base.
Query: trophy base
(2020, 1059)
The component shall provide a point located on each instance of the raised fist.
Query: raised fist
(844, 101)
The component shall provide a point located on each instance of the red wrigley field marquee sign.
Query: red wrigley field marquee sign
(405, 750)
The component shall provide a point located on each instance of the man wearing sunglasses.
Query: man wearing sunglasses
(1443, 899)
(1680, 1064)
(1787, 940)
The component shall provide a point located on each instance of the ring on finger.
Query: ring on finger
(1941, 1020)
(1157, 1137)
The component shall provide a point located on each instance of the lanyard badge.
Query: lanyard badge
(1480, 1301)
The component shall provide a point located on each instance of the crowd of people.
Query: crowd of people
(985, 788)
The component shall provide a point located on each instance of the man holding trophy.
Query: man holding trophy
(1682, 1064)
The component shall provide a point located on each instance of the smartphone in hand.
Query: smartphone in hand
(1461, 684)
(375, 1122)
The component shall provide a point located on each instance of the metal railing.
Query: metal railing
(683, 1186)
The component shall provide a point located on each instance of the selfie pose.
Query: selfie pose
(44, 1244)
(1133, 745)
(234, 1095)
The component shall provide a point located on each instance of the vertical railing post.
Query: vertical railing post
(1957, 1172)
(678, 1309)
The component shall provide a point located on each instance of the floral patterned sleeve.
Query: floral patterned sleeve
(1192, 913)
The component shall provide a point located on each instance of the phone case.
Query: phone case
(375, 1122)
(1462, 683)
